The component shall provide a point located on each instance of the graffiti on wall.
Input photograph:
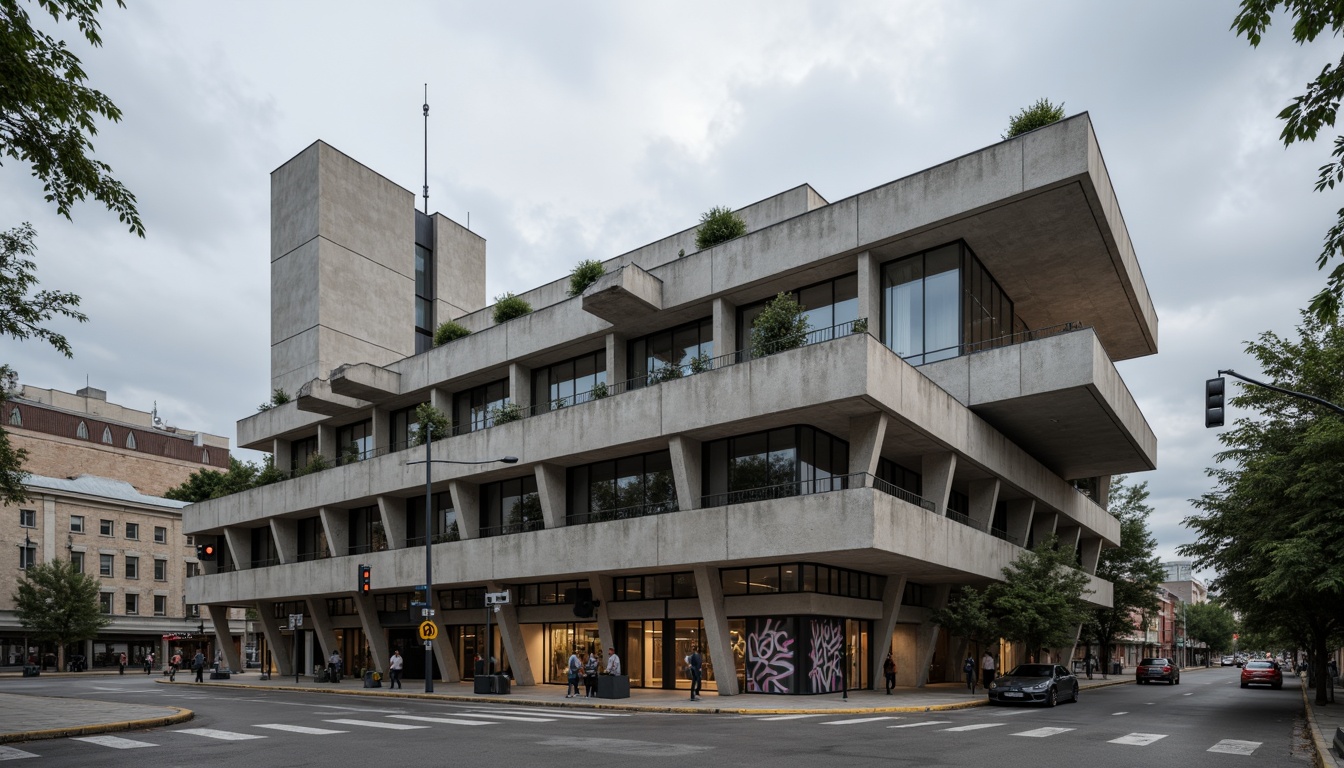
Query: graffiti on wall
(769, 662)
(826, 655)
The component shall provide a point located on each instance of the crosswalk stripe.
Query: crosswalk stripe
(115, 742)
(445, 720)
(377, 724)
(1041, 733)
(917, 725)
(551, 711)
(1113, 714)
(1139, 739)
(974, 726)
(1234, 747)
(858, 720)
(10, 753)
(784, 717)
(514, 718)
(299, 729)
(211, 733)
(561, 716)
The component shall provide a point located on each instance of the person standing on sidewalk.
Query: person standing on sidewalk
(198, 664)
(889, 672)
(149, 663)
(121, 664)
(968, 669)
(987, 669)
(613, 662)
(590, 676)
(572, 669)
(394, 670)
(697, 665)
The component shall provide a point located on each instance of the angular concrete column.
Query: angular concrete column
(870, 292)
(281, 651)
(373, 633)
(926, 637)
(724, 327)
(392, 512)
(984, 496)
(602, 592)
(1104, 491)
(1091, 554)
(467, 503)
(891, 609)
(618, 364)
(551, 489)
(239, 542)
(1019, 519)
(520, 386)
(1043, 525)
(686, 471)
(285, 531)
(442, 400)
(219, 617)
(937, 470)
(280, 454)
(1068, 537)
(336, 523)
(444, 652)
(511, 639)
(382, 431)
(866, 434)
(326, 442)
(710, 588)
(322, 629)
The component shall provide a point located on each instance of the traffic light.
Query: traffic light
(1213, 402)
(205, 551)
(364, 576)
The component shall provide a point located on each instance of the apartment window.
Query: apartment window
(355, 441)
(662, 586)
(106, 528)
(570, 382)
(105, 602)
(130, 440)
(160, 534)
(825, 305)
(193, 569)
(264, 553)
(105, 565)
(82, 431)
(628, 487)
(132, 567)
(424, 298)
(474, 409)
(312, 540)
(160, 605)
(132, 604)
(443, 522)
(405, 426)
(160, 570)
(301, 452)
(901, 477)
(674, 348)
(27, 555)
(76, 523)
(791, 461)
(77, 561)
(194, 611)
(133, 531)
(28, 518)
(107, 435)
(366, 531)
(510, 506)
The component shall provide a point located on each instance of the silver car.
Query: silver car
(1036, 684)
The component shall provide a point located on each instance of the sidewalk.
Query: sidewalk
(1322, 721)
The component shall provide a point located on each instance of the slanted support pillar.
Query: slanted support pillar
(891, 608)
(322, 629)
(1068, 537)
(373, 633)
(1019, 519)
(281, 650)
(984, 497)
(1091, 555)
(240, 547)
(710, 588)
(602, 591)
(937, 470)
(1043, 525)
(686, 471)
(551, 489)
(393, 514)
(219, 617)
(285, 530)
(926, 637)
(511, 639)
(336, 523)
(725, 327)
(520, 386)
(467, 503)
(866, 434)
(444, 652)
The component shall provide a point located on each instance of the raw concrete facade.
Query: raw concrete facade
(795, 515)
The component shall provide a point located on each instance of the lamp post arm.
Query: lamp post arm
(1319, 401)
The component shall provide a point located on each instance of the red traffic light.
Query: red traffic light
(205, 551)
(365, 576)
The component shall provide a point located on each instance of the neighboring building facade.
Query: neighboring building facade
(97, 472)
(1180, 581)
(795, 515)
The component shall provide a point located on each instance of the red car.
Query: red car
(1262, 671)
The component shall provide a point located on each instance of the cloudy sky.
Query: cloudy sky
(581, 130)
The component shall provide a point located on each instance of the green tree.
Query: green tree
(437, 421)
(1039, 602)
(1209, 623)
(1308, 113)
(718, 225)
(782, 325)
(449, 331)
(58, 604)
(585, 273)
(1271, 526)
(969, 615)
(1038, 115)
(211, 483)
(508, 306)
(1132, 568)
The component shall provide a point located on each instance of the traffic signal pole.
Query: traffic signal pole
(1301, 395)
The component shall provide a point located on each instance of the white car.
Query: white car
(1229, 661)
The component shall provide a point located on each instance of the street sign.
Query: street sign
(426, 612)
(429, 644)
(296, 621)
(497, 598)
(428, 631)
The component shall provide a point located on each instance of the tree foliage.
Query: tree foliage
(56, 603)
(437, 421)
(1211, 624)
(212, 484)
(1308, 113)
(585, 273)
(508, 306)
(718, 225)
(1132, 568)
(48, 114)
(1271, 526)
(1038, 115)
(1039, 602)
(449, 331)
(969, 614)
(780, 326)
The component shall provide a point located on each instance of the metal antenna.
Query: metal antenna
(426, 190)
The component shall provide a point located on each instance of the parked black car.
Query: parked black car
(1034, 683)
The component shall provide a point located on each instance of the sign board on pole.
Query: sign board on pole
(497, 598)
(428, 630)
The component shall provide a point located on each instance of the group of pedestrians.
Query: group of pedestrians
(987, 668)
(583, 668)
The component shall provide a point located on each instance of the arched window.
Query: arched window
(205, 455)
(82, 432)
(16, 418)
(107, 435)
(130, 440)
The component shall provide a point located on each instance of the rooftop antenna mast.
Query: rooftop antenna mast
(426, 190)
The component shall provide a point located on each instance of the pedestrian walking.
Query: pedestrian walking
(1088, 663)
(198, 664)
(334, 667)
(173, 664)
(697, 665)
(149, 663)
(572, 669)
(121, 665)
(968, 669)
(394, 670)
(889, 672)
(987, 669)
(590, 676)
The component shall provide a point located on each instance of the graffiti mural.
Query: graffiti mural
(770, 656)
(825, 656)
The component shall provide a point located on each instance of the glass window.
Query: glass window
(443, 524)
(105, 565)
(132, 604)
(734, 581)
(826, 305)
(27, 555)
(629, 487)
(263, 547)
(76, 523)
(366, 531)
(28, 518)
(774, 464)
(105, 602)
(132, 567)
(105, 527)
(130, 440)
(355, 442)
(107, 435)
(82, 431)
(160, 570)
(160, 534)
(405, 427)
(938, 302)
(301, 452)
(570, 382)
(133, 531)
(510, 506)
(312, 544)
(193, 569)
(77, 561)
(475, 409)
(160, 605)
(671, 349)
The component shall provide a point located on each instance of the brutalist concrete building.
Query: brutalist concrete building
(796, 513)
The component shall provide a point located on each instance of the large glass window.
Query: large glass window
(570, 382)
(630, 487)
(901, 477)
(774, 464)
(669, 353)
(366, 531)
(825, 305)
(301, 452)
(355, 442)
(510, 506)
(424, 299)
(264, 552)
(405, 427)
(312, 542)
(475, 409)
(443, 523)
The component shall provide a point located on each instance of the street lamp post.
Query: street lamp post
(429, 462)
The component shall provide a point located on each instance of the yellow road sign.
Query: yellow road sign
(428, 630)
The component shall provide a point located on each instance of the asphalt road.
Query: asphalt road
(1208, 720)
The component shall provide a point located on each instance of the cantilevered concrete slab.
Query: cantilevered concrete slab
(317, 397)
(627, 294)
(364, 381)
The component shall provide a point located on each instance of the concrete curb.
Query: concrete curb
(181, 716)
(1324, 757)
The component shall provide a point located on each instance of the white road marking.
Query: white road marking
(857, 720)
(1234, 747)
(1139, 739)
(975, 727)
(211, 733)
(10, 753)
(376, 724)
(916, 725)
(1185, 694)
(1012, 714)
(562, 716)
(446, 720)
(1113, 714)
(784, 717)
(299, 729)
(552, 713)
(514, 718)
(1041, 733)
(114, 742)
